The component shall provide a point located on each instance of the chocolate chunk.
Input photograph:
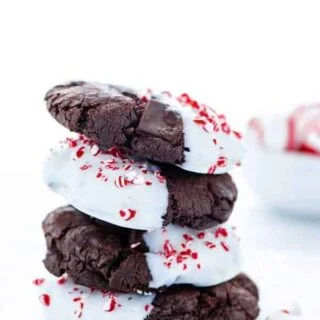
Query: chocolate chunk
(160, 131)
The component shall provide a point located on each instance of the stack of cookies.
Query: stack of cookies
(144, 234)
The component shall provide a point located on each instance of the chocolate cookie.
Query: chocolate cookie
(128, 192)
(103, 256)
(236, 299)
(155, 126)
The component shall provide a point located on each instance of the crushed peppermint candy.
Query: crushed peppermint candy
(211, 122)
(221, 232)
(45, 299)
(111, 303)
(131, 177)
(184, 254)
(127, 214)
(78, 300)
(38, 282)
(62, 280)
(148, 307)
(78, 297)
(207, 118)
(212, 169)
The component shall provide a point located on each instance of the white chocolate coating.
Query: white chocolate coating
(106, 185)
(184, 256)
(63, 300)
(211, 146)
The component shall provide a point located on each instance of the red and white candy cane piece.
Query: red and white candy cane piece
(221, 232)
(38, 282)
(127, 167)
(80, 152)
(225, 246)
(212, 169)
(148, 307)
(120, 182)
(210, 245)
(222, 162)
(111, 304)
(201, 121)
(114, 151)
(127, 214)
(168, 249)
(160, 177)
(225, 128)
(311, 144)
(95, 150)
(237, 134)
(85, 167)
(184, 98)
(45, 299)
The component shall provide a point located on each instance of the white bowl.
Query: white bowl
(286, 181)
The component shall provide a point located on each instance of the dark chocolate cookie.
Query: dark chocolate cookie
(198, 201)
(128, 192)
(106, 257)
(165, 129)
(118, 116)
(236, 299)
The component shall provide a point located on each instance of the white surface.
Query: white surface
(243, 57)
(282, 254)
(286, 181)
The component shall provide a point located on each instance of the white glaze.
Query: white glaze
(185, 256)
(212, 149)
(68, 301)
(107, 185)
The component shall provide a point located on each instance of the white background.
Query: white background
(242, 57)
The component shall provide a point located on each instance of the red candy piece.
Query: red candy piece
(127, 214)
(80, 152)
(221, 232)
(45, 300)
(38, 282)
